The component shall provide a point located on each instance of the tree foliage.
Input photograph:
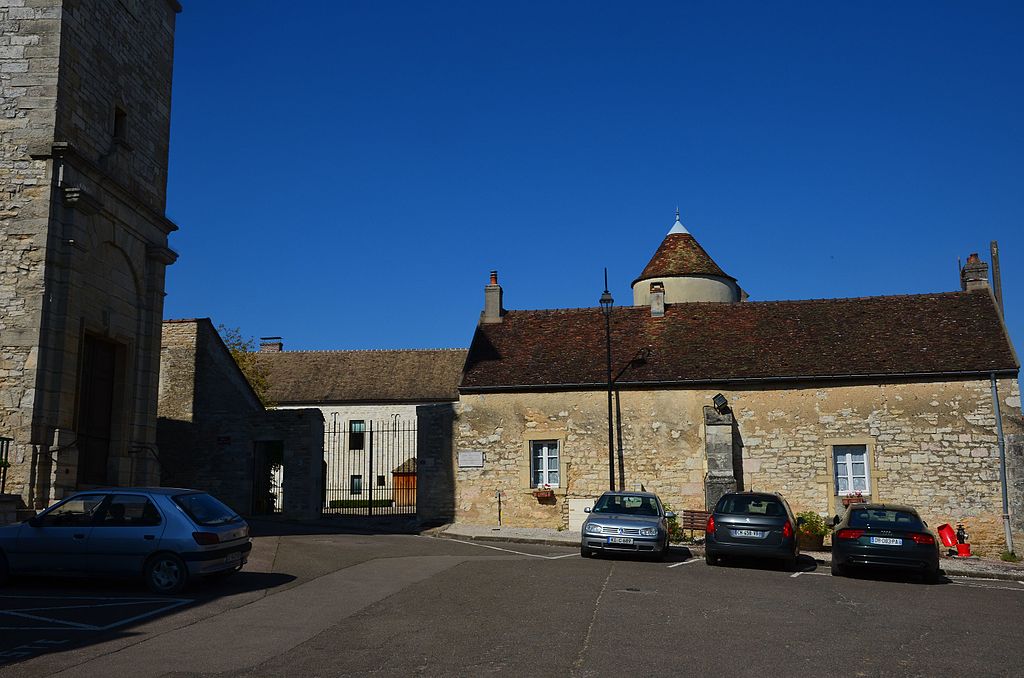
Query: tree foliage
(243, 349)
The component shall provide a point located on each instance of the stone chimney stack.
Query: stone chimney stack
(271, 345)
(657, 299)
(974, 274)
(493, 309)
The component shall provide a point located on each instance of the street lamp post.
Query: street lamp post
(607, 302)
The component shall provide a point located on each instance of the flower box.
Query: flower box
(543, 494)
(854, 499)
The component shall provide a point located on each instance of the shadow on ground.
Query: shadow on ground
(269, 527)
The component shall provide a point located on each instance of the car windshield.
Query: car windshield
(750, 505)
(886, 519)
(627, 504)
(205, 510)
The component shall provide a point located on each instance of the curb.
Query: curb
(696, 551)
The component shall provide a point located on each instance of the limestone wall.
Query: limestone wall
(933, 446)
(29, 45)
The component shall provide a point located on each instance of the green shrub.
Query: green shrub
(675, 532)
(1010, 557)
(813, 525)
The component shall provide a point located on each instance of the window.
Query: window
(750, 505)
(355, 484)
(356, 434)
(120, 124)
(74, 512)
(130, 510)
(851, 469)
(205, 510)
(381, 481)
(544, 463)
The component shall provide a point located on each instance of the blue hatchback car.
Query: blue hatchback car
(168, 536)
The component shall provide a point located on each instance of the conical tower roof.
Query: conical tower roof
(680, 255)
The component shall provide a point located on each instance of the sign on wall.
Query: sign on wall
(471, 458)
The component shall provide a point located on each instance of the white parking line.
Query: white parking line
(796, 574)
(518, 553)
(684, 562)
(164, 605)
(977, 586)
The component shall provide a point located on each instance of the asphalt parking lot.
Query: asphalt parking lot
(325, 605)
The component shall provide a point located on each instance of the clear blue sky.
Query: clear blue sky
(345, 174)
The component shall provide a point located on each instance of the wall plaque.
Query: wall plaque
(471, 458)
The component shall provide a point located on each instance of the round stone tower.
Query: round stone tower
(685, 272)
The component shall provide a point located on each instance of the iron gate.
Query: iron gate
(370, 468)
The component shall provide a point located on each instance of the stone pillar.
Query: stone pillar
(718, 449)
(435, 471)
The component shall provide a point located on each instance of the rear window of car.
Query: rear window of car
(635, 505)
(205, 510)
(750, 505)
(885, 518)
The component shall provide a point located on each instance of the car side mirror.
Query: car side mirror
(670, 514)
(587, 509)
(835, 520)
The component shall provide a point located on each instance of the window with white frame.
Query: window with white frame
(544, 463)
(851, 469)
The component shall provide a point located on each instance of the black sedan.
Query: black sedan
(884, 535)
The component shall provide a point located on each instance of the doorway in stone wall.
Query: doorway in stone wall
(268, 477)
(95, 417)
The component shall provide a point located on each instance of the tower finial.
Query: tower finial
(678, 226)
(677, 212)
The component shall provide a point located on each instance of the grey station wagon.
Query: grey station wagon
(168, 536)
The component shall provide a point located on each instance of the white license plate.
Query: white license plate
(620, 540)
(887, 541)
(234, 557)
(757, 534)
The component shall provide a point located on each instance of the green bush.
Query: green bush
(358, 503)
(675, 532)
(813, 525)
(1010, 557)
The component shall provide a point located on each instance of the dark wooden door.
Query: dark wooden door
(95, 410)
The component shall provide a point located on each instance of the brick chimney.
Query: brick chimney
(657, 299)
(974, 274)
(493, 309)
(271, 345)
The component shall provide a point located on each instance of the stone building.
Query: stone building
(214, 434)
(888, 396)
(389, 401)
(85, 91)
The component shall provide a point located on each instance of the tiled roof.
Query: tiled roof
(680, 254)
(362, 376)
(713, 342)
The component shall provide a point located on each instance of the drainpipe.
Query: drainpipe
(1002, 464)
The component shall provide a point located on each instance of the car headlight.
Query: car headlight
(648, 532)
(594, 529)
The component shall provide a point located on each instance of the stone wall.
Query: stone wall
(81, 208)
(29, 46)
(933, 446)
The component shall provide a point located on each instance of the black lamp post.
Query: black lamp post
(607, 302)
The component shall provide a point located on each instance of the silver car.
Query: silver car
(626, 522)
(168, 536)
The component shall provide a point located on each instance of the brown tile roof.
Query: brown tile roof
(362, 376)
(713, 342)
(680, 254)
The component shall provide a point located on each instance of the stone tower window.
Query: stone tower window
(120, 125)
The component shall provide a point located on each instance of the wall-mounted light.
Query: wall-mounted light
(721, 404)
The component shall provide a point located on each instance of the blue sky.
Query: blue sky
(345, 174)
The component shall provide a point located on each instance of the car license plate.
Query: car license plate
(234, 557)
(620, 540)
(757, 534)
(886, 541)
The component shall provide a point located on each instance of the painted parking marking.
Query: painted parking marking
(986, 586)
(796, 574)
(684, 562)
(53, 621)
(518, 553)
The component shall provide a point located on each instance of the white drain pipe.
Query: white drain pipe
(1002, 464)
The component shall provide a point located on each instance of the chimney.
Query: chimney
(974, 274)
(271, 345)
(657, 299)
(492, 302)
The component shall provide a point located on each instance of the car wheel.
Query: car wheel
(709, 559)
(166, 574)
(662, 553)
(932, 576)
(585, 552)
(838, 570)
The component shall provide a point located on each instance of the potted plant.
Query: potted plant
(544, 492)
(855, 498)
(811, 529)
